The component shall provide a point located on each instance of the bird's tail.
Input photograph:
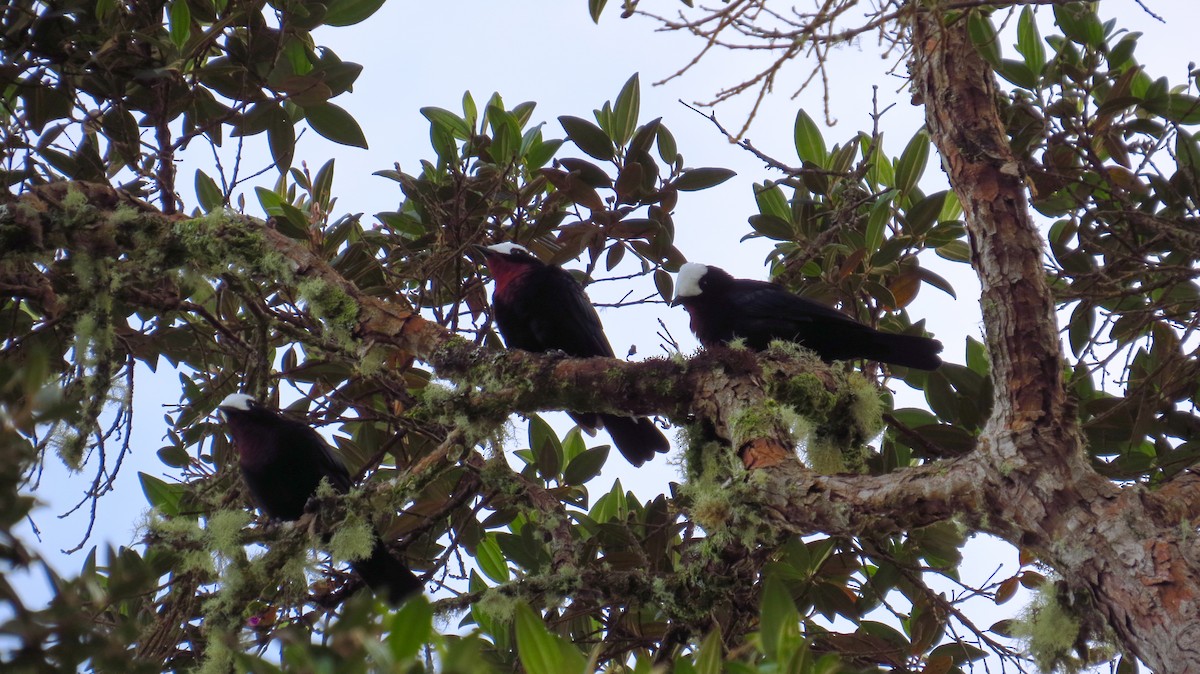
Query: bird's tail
(907, 351)
(387, 574)
(638, 439)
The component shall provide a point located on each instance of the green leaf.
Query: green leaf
(667, 149)
(595, 7)
(957, 251)
(586, 466)
(506, 134)
(334, 123)
(294, 222)
(536, 646)
(664, 285)
(644, 137)
(1017, 72)
(349, 12)
(959, 652)
(884, 170)
(626, 110)
(881, 213)
(912, 162)
(491, 559)
(772, 227)
(281, 138)
(941, 398)
(540, 153)
(120, 126)
(165, 497)
(983, 37)
(1029, 41)
(588, 137)
(207, 192)
(174, 456)
(1182, 109)
(703, 178)
(572, 443)
(442, 117)
(470, 110)
(1081, 327)
(977, 358)
(936, 281)
(780, 621)
(771, 201)
(269, 200)
(1080, 23)
(180, 22)
(323, 185)
(921, 215)
(709, 659)
(810, 145)
(546, 447)
(411, 628)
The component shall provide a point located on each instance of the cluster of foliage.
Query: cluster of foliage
(539, 565)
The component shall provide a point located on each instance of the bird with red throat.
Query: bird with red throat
(540, 307)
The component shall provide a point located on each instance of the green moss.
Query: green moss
(372, 362)
(806, 392)
(123, 214)
(866, 407)
(333, 307)
(224, 531)
(353, 540)
(497, 605)
(218, 658)
(293, 577)
(221, 242)
(75, 208)
(1049, 631)
(760, 421)
(711, 509)
(824, 457)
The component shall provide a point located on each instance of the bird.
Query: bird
(540, 307)
(724, 308)
(282, 461)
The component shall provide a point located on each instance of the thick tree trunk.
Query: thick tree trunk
(1127, 548)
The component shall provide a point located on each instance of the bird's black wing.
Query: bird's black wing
(316, 451)
(768, 312)
(562, 318)
(769, 308)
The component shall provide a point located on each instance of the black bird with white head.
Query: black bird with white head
(540, 307)
(283, 461)
(724, 308)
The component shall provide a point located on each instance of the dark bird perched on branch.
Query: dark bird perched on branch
(724, 308)
(539, 307)
(282, 462)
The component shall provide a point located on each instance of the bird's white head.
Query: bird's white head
(687, 283)
(508, 248)
(237, 401)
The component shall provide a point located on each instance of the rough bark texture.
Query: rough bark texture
(1128, 548)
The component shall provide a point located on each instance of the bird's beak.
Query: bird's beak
(676, 302)
(481, 249)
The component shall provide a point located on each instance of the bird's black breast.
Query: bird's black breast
(282, 463)
(546, 309)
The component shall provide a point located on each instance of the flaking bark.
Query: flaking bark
(1112, 543)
